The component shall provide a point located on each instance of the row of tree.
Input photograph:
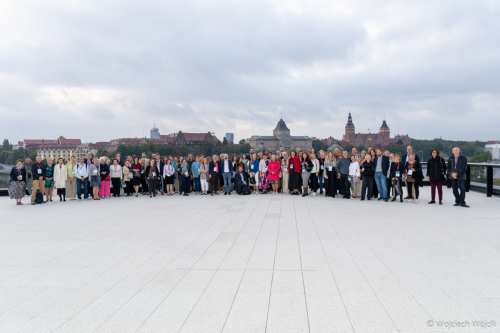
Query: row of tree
(9, 156)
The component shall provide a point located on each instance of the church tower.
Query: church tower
(281, 130)
(385, 131)
(350, 135)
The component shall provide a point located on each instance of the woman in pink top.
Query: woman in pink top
(274, 173)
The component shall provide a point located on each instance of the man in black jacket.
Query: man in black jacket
(240, 179)
(381, 168)
(457, 167)
(38, 170)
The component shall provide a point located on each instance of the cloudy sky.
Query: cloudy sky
(99, 70)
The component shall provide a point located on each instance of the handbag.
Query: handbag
(130, 175)
(94, 178)
(308, 167)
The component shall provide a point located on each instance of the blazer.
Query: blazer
(195, 169)
(14, 173)
(385, 163)
(460, 169)
(369, 169)
(403, 158)
(394, 168)
(34, 171)
(211, 169)
(254, 166)
(238, 178)
(296, 164)
(155, 169)
(70, 168)
(229, 164)
(60, 176)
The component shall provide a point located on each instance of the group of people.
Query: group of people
(371, 174)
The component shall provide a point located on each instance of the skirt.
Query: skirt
(71, 188)
(49, 184)
(169, 180)
(294, 180)
(136, 181)
(95, 181)
(104, 189)
(16, 189)
(264, 181)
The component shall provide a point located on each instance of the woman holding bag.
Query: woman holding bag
(414, 176)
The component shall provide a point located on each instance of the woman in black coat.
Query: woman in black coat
(414, 176)
(436, 171)
(152, 176)
(368, 172)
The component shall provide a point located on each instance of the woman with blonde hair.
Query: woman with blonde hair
(95, 178)
(60, 178)
(330, 175)
(71, 186)
(104, 189)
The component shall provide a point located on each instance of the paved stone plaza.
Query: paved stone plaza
(259, 263)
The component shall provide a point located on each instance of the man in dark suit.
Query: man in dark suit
(457, 167)
(240, 179)
(159, 166)
(214, 170)
(405, 158)
(88, 162)
(381, 167)
(249, 156)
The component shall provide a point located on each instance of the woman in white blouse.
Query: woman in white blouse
(60, 178)
(354, 176)
(116, 175)
(168, 176)
(314, 174)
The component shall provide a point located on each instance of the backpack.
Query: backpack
(245, 190)
(39, 197)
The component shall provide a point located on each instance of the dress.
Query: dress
(17, 187)
(264, 176)
(95, 180)
(169, 171)
(136, 181)
(274, 167)
(71, 188)
(49, 174)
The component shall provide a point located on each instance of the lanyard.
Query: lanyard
(397, 167)
(40, 166)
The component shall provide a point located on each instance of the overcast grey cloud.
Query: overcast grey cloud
(102, 70)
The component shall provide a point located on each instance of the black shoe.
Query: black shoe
(380, 198)
(393, 199)
(401, 199)
(464, 205)
(225, 193)
(186, 195)
(304, 195)
(321, 192)
(150, 196)
(362, 199)
(432, 202)
(386, 199)
(369, 199)
(229, 193)
(440, 202)
(456, 204)
(154, 195)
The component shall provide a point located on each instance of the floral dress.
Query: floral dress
(49, 174)
(264, 180)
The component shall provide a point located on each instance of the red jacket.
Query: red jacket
(296, 164)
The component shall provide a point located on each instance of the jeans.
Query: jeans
(180, 178)
(381, 181)
(239, 185)
(152, 186)
(458, 185)
(320, 178)
(85, 184)
(227, 182)
(197, 184)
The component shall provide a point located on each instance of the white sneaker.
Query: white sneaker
(314, 194)
(411, 200)
(416, 200)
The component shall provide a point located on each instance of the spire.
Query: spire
(349, 120)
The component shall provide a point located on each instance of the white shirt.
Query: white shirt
(81, 170)
(226, 166)
(168, 170)
(315, 166)
(354, 169)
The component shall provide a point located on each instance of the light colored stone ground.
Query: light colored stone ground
(260, 263)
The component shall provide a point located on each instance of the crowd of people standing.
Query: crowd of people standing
(371, 174)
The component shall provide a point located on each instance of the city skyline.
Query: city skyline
(431, 76)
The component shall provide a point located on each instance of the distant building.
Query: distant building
(60, 147)
(95, 147)
(190, 138)
(382, 138)
(154, 132)
(493, 147)
(230, 137)
(281, 137)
